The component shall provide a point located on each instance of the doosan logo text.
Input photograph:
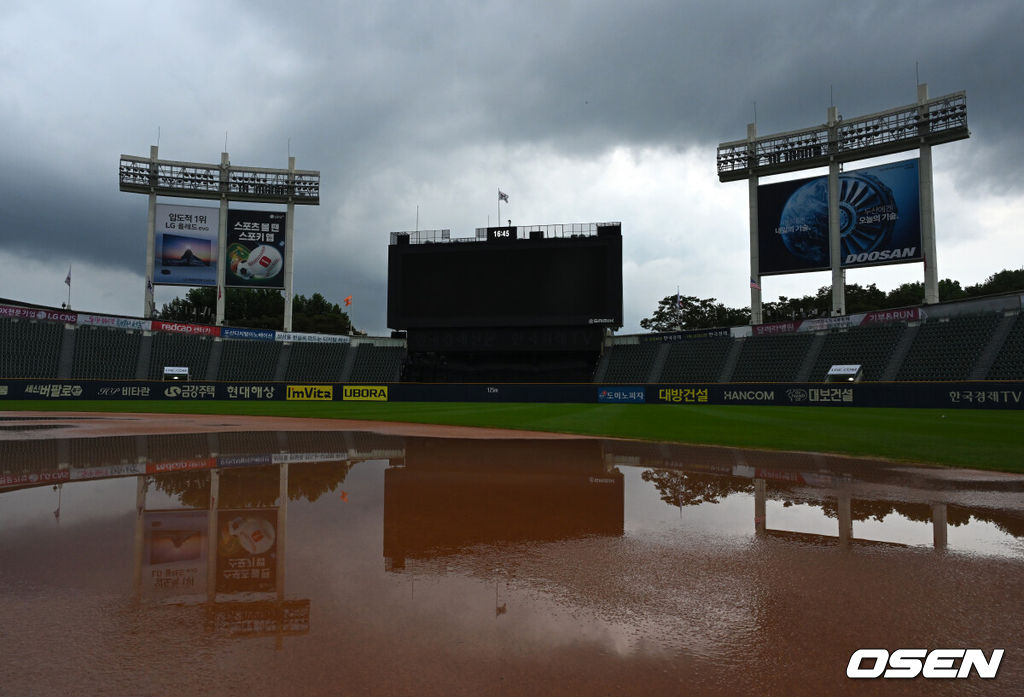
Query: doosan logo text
(936, 663)
(881, 255)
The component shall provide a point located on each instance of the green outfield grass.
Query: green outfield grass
(965, 438)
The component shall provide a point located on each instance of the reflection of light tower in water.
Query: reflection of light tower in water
(59, 488)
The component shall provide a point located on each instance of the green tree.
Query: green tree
(675, 313)
(259, 309)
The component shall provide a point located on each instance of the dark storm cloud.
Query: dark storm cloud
(390, 99)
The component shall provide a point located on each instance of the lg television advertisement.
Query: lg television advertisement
(879, 220)
(186, 245)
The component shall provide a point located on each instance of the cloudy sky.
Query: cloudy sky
(580, 111)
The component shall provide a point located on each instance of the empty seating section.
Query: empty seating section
(29, 349)
(696, 360)
(631, 362)
(1009, 363)
(869, 347)
(947, 350)
(377, 363)
(254, 361)
(772, 358)
(316, 362)
(182, 351)
(104, 353)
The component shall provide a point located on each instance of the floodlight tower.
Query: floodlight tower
(916, 126)
(224, 182)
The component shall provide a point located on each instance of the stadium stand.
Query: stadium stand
(1009, 362)
(104, 353)
(377, 363)
(248, 360)
(181, 350)
(316, 362)
(631, 362)
(29, 349)
(947, 348)
(869, 347)
(776, 358)
(696, 360)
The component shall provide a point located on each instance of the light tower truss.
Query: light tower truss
(939, 120)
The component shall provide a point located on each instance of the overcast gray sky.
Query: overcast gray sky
(580, 111)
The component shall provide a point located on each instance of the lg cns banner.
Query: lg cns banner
(186, 245)
(255, 249)
(879, 220)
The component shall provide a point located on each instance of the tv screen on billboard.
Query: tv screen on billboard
(185, 245)
(879, 220)
(506, 283)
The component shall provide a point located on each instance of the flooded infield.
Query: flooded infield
(289, 558)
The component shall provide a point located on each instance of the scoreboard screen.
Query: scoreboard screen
(504, 281)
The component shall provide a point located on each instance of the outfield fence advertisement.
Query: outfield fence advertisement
(256, 245)
(879, 220)
(986, 394)
(186, 245)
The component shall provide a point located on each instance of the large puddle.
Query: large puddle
(355, 563)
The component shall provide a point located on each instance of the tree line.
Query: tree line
(677, 312)
(259, 309)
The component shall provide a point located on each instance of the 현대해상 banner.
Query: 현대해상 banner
(879, 220)
(255, 249)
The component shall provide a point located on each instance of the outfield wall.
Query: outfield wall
(935, 395)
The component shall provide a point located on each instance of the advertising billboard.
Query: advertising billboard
(186, 245)
(255, 252)
(879, 220)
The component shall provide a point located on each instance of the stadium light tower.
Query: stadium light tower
(224, 182)
(916, 126)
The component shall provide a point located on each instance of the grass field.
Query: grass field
(965, 438)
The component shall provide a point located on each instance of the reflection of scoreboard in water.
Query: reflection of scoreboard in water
(450, 495)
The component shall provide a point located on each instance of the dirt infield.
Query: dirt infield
(29, 425)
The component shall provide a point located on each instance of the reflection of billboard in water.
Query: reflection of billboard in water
(246, 551)
(879, 220)
(186, 245)
(175, 553)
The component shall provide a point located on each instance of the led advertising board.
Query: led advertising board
(879, 220)
(255, 251)
(186, 245)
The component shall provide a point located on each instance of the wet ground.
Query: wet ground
(229, 556)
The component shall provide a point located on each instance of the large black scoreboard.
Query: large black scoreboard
(509, 277)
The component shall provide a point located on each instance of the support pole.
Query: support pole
(148, 305)
(756, 316)
(289, 247)
(222, 239)
(834, 237)
(927, 203)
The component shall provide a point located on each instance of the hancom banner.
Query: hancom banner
(879, 220)
(186, 245)
(256, 246)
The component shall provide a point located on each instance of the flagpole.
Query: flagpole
(68, 281)
(499, 208)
